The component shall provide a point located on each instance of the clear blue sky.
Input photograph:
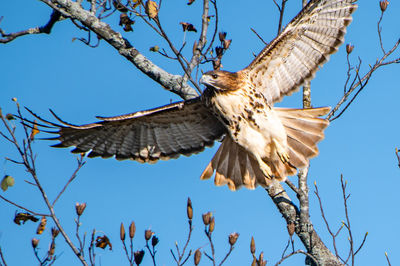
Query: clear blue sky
(51, 71)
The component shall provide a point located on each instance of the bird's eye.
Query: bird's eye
(214, 76)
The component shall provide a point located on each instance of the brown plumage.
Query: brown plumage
(260, 142)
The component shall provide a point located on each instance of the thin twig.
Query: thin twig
(3, 260)
(398, 157)
(281, 12)
(254, 31)
(333, 235)
(298, 252)
(227, 254)
(347, 224)
(81, 163)
(26, 209)
(387, 259)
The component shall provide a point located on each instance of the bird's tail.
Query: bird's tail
(236, 167)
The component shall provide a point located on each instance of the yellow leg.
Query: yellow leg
(283, 155)
(264, 167)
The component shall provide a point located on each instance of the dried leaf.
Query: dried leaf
(10, 117)
(136, 3)
(125, 20)
(154, 48)
(6, 182)
(23, 217)
(34, 131)
(188, 26)
(151, 9)
(103, 242)
(41, 226)
(119, 6)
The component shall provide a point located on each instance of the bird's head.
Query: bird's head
(220, 81)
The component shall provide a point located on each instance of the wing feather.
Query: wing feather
(147, 136)
(301, 48)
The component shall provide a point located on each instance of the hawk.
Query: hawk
(259, 142)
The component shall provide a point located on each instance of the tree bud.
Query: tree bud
(147, 234)
(197, 257)
(132, 230)
(349, 48)
(80, 208)
(207, 218)
(138, 255)
(122, 232)
(189, 209)
(383, 5)
(252, 246)
(35, 242)
(154, 241)
(233, 238)
(54, 232)
(212, 225)
(222, 36)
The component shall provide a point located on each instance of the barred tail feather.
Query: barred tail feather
(235, 167)
(304, 130)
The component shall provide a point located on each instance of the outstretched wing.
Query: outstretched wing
(147, 136)
(305, 44)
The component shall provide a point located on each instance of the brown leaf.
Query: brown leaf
(190, 2)
(151, 9)
(23, 217)
(125, 20)
(41, 226)
(154, 48)
(119, 6)
(103, 242)
(187, 26)
(34, 131)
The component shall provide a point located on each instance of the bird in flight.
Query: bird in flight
(259, 142)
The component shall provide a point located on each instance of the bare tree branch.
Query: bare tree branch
(8, 37)
(295, 253)
(363, 81)
(81, 163)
